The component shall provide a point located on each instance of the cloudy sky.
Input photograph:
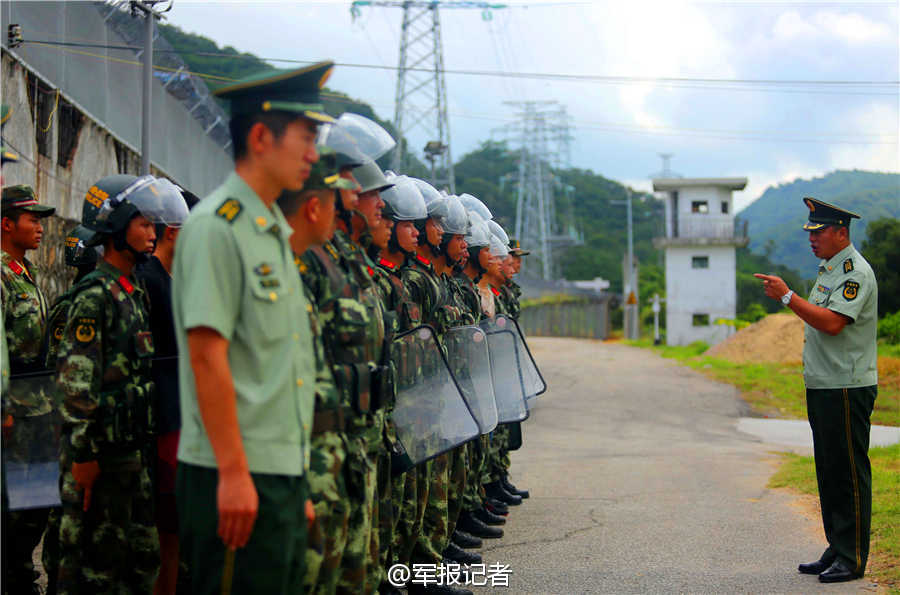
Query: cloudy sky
(748, 108)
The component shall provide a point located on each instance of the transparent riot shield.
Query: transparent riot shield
(430, 414)
(532, 381)
(467, 354)
(506, 374)
(31, 443)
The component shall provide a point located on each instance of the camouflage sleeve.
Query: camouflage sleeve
(79, 369)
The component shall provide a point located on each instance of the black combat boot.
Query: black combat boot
(509, 487)
(488, 518)
(465, 540)
(470, 524)
(496, 491)
(496, 506)
(454, 553)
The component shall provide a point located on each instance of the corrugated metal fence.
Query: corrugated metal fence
(587, 318)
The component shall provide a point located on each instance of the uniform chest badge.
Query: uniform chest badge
(262, 270)
(84, 330)
(823, 289)
(851, 290)
(848, 265)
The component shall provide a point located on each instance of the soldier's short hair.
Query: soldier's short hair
(239, 126)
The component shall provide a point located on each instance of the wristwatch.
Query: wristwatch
(786, 298)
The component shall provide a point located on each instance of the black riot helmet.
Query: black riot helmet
(114, 201)
(78, 251)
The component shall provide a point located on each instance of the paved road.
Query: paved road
(640, 483)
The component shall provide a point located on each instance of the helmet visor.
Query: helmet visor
(157, 199)
(373, 140)
(405, 200)
(338, 140)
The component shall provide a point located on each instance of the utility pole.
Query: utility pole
(150, 16)
(629, 277)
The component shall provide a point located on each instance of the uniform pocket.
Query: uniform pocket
(268, 312)
(350, 321)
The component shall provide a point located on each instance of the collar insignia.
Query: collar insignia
(126, 284)
(848, 265)
(386, 263)
(423, 260)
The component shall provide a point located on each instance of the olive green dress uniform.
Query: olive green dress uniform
(841, 385)
(234, 272)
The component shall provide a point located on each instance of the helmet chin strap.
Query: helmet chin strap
(121, 244)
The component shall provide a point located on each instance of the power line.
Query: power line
(538, 75)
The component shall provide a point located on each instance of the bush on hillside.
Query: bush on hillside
(889, 328)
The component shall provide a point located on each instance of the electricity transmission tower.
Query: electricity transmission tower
(542, 137)
(421, 95)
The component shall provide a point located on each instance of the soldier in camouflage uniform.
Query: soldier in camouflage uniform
(108, 540)
(84, 259)
(354, 333)
(24, 320)
(311, 214)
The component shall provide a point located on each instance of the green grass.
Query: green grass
(777, 390)
(799, 474)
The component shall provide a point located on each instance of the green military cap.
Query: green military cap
(515, 248)
(280, 90)
(822, 214)
(21, 196)
(326, 174)
(6, 154)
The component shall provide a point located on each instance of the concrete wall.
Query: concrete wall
(692, 291)
(105, 84)
(714, 223)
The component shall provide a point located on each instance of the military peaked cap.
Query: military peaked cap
(21, 196)
(280, 90)
(822, 214)
(515, 248)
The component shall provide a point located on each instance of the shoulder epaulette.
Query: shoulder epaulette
(848, 265)
(386, 263)
(230, 209)
(332, 251)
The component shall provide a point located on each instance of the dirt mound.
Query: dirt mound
(775, 338)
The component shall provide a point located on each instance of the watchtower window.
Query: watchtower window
(724, 207)
(699, 206)
(701, 320)
(700, 262)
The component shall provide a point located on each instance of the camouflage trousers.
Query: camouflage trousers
(361, 565)
(328, 493)
(458, 464)
(473, 495)
(434, 535)
(384, 492)
(113, 547)
(403, 498)
(412, 510)
(498, 457)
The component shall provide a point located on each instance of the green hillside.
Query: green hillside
(775, 218)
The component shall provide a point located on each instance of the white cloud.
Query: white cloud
(849, 27)
(884, 156)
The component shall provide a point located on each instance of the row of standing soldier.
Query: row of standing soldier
(288, 285)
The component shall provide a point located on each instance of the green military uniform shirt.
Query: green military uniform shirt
(234, 272)
(24, 320)
(846, 285)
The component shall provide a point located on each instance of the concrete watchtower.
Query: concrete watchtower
(700, 247)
